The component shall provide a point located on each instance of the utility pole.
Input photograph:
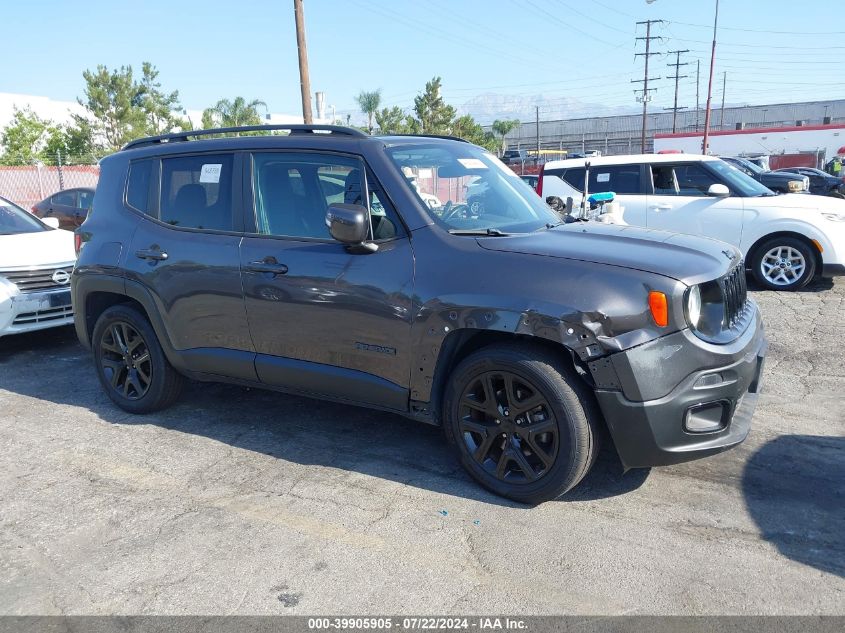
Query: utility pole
(304, 79)
(697, 83)
(705, 145)
(676, 77)
(648, 53)
(722, 115)
(537, 121)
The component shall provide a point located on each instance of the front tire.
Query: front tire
(130, 363)
(523, 424)
(784, 263)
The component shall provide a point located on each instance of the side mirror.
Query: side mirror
(718, 190)
(53, 223)
(350, 224)
(556, 203)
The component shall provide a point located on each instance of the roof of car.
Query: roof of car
(626, 159)
(189, 140)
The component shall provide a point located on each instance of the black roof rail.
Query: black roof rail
(293, 128)
(446, 136)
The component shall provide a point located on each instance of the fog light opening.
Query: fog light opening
(709, 417)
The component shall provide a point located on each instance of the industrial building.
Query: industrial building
(621, 134)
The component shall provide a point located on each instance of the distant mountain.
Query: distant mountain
(485, 108)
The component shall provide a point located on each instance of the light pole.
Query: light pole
(705, 143)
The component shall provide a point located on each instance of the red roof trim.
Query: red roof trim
(756, 130)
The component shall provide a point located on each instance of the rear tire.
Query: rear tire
(784, 263)
(130, 363)
(523, 424)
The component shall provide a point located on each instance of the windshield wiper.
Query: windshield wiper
(484, 232)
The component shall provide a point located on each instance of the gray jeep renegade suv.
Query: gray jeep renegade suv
(332, 264)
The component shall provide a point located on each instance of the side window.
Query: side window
(66, 198)
(85, 199)
(622, 179)
(575, 177)
(138, 185)
(681, 180)
(293, 191)
(196, 191)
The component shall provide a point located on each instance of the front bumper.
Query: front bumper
(720, 390)
(30, 311)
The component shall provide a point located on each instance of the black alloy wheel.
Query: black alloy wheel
(131, 364)
(508, 427)
(523, 423)
(125, 360)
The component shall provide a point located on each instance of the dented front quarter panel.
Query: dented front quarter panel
(592, 309)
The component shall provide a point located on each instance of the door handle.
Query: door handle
(267, 265)
(661, 207)
(154, 254)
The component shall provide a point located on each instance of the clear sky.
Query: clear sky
(556, 50)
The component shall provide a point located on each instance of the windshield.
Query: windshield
(13, 219)
(739, 182)
(466, 188)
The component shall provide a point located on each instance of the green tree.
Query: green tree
(113, 105)
(25, 138)
(503, 127)
(233, 113)
(120, 109)
(393, 121)
(369, 103)
(468, 129)
(434, 116)
(160, 108)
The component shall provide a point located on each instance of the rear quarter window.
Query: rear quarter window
(138, 185)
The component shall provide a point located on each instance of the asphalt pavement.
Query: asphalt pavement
(239, 501)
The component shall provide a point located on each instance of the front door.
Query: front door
(324, 320)
(679, 202)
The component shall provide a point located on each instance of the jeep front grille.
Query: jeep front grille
(734, 294)
(35, 280)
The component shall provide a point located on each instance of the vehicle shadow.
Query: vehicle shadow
(291, 428)
(818, 284)
(794, 488)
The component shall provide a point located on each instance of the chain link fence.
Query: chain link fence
(28, 184)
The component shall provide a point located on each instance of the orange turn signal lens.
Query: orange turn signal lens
(659, 308)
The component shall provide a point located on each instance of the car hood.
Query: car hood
(30, 250)
(687, 258)
(798, 201)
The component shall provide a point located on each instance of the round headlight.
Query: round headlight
(694, 306)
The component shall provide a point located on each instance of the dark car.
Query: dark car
(70, 206)
(821, 183)
(777, 181)
(235, 259)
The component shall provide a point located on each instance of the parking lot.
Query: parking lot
(250, 502)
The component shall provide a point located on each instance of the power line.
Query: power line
(648, 53)
(677, 76)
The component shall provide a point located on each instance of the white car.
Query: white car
(786, 239)
(36, 260)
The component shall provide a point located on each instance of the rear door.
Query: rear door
(678, 202)
(185, 253)
(325, 320)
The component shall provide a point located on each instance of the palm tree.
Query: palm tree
(234, 113)
(503, 128)
(369, 103)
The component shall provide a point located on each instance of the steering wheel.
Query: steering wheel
(451, 210)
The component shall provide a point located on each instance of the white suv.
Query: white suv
(786, 239)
